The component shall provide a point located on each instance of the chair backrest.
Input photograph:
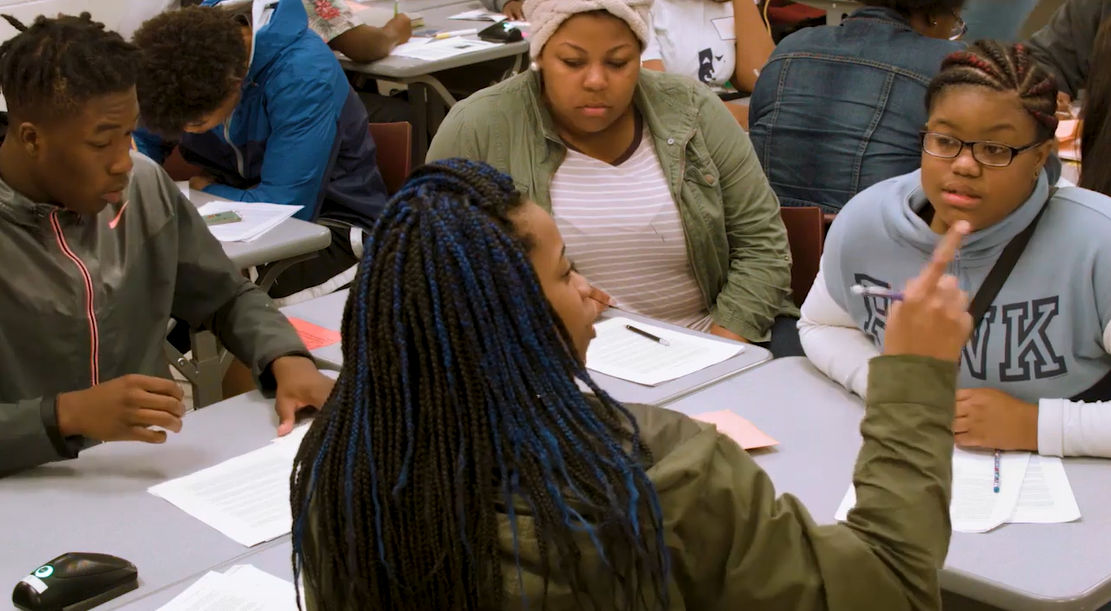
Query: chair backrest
(806, 234)
(395, 144)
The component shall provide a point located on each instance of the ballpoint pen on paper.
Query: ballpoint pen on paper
(996, 484)
(643, 333)
(877, 291)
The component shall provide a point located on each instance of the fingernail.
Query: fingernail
(612, 302)
(962, 226)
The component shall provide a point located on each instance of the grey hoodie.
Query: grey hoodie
(85, 300)
(1043, 336)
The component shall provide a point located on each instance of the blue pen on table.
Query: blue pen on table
(877, 291)
(996, 484)
(659, 340)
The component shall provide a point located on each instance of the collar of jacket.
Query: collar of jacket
(16, 208)
(879, 13)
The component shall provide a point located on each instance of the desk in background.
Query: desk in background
(835, 9)
(99, 502)
(419, 75)
(1018, 567)
(327, 312)
(291, 242)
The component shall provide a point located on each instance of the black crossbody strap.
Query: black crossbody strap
(997, 277)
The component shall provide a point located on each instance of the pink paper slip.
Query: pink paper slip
(738, 429)
(314, 336)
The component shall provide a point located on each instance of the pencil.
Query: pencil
(877, 291)
(996, 484)
(641, 332)
(395, 3)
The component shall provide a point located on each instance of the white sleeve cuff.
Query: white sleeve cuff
(1051, 427)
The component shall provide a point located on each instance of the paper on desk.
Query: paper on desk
(738, 429)
(314, 336)
(975, 507)
(623, 354)
(1046, 496)
(479, 15)
(183, 185)
(241, 588)
(443, 49)
(246, 497)
(378, 16)
(257, 219)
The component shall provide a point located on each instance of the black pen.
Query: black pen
(659, 340)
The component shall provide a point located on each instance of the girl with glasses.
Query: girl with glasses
(1036, 369)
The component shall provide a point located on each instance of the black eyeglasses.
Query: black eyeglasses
(985, 152)
(960, 28)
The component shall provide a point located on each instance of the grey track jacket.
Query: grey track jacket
(85, 300)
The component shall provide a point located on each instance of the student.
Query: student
(839, 108)
(1095, 139)
(281, 125)
(332, 19)
(1064, 45)
(101, 249)
(652, 182)
(703, 40)
(488, 480)
(1036, 369)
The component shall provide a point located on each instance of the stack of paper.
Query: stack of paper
(257, 219)
(1043, 496)
(624, 354)
(240, 588)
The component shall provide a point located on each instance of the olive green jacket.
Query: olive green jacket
(735, 545)
(735, 237)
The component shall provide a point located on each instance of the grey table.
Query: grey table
(327, 312)
(291, 242)
(835, 9)
(99, 502)
(419, 75)
(1019, 567)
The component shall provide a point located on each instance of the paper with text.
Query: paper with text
(479, 15)
(1046, 496)
(443, 49)
(246, 497)
(257, 219)
(975, 507)
(738, 429)
(240, 588)
(623, 354)
(314, 336)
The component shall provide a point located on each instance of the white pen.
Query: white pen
(454, 33)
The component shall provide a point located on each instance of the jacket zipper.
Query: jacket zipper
(238, 154)
(90, 310)
(678, 196)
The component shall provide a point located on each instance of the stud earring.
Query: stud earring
(535, 67)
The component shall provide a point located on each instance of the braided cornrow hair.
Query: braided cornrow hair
(457, 411)
(58, 63)
(1002, 67)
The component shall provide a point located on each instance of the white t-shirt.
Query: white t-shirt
(695, 38)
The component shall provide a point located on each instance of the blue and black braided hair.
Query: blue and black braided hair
(457, 414)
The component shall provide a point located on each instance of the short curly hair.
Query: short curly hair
(54, 66)
(918, 7)
(184, 53)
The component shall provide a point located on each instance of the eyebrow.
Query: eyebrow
(107, 127)
(1000, 127)
(578, 48)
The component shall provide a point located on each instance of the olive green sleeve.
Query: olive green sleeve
(736, 545)
(458, 136)
(759, 276)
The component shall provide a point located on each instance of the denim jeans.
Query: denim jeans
(997, 19)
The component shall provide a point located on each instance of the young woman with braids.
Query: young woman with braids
(1035, 373)
(459, 466)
